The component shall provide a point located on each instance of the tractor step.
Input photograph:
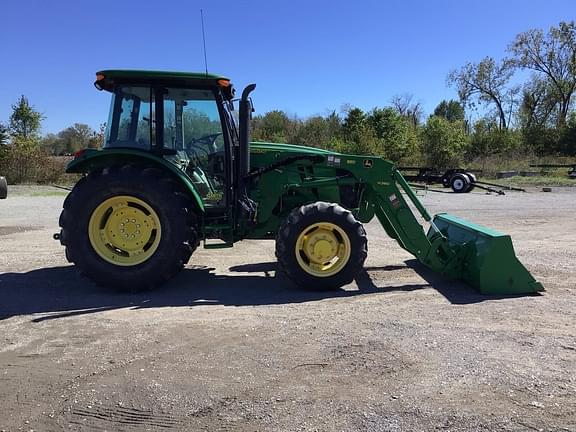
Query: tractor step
(219, 245)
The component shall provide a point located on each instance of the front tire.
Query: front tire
(128, 228)
(321, 246)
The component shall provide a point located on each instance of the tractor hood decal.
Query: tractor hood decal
(262, 147)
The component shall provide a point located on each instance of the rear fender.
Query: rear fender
(90, 160)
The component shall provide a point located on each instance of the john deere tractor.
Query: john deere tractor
(178, 169)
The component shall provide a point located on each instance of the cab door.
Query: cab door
(194, 128)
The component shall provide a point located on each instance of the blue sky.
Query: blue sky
(307, 57)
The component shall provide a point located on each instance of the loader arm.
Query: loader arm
(451, 246)
(384, 196)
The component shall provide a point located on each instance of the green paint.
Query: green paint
(485, 258)
(158, 75)
(92, 159)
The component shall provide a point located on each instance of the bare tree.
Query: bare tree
(403, 104)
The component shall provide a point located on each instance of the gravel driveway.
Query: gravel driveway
(228, 345)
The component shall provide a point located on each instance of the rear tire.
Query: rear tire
(129, 228)
(321, 246)
(460, 183)
(3, 188)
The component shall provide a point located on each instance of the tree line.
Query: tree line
(27, 156)
(496, 115)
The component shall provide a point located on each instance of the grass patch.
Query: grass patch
(48, 193)
(491, 165)
(535, 181)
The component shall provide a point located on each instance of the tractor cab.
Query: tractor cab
(185, 118)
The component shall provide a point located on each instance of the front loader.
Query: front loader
(178, 169)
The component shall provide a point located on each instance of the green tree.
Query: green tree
(314, 132)
(554, 56)
(451, 110)
(357, 136)
(541, 140)
(567, 141)
(96, 140)
(444, 142)
(334, 127)
(488, 139)
(354, 122)
(76, 137)
(538, 104)
(25, 121)
(272, 126)
(52, 144)
(393, 131)
(487, 82)
(361, 142)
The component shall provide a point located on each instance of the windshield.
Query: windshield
(189, 115)
(192, 120)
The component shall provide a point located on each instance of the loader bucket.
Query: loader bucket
(484, 258)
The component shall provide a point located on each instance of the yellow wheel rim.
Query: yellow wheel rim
(323, 249)
(124, 230)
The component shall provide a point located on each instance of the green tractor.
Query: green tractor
(178, 169)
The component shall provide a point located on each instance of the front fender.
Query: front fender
(91, 159)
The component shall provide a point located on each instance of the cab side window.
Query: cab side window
(131, 120)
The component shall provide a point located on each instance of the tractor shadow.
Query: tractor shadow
(60, 292)
(456, 291)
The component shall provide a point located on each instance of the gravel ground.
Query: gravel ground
(228, 345)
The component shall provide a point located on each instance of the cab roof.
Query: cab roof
(108, 78)
(159, 75)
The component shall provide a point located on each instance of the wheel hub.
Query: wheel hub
(323, 249)
(321, 246)
(124, 230)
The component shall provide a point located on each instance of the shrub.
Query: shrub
(24, 162)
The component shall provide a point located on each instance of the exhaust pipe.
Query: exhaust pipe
(245, 114)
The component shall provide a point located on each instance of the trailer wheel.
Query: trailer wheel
(3, 188)
(128, 228)
(460, 183)
(472, 179)
(321, 246)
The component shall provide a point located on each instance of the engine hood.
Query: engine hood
(265, 147)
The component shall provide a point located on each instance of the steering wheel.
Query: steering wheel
(205, 147)
(207, 140)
